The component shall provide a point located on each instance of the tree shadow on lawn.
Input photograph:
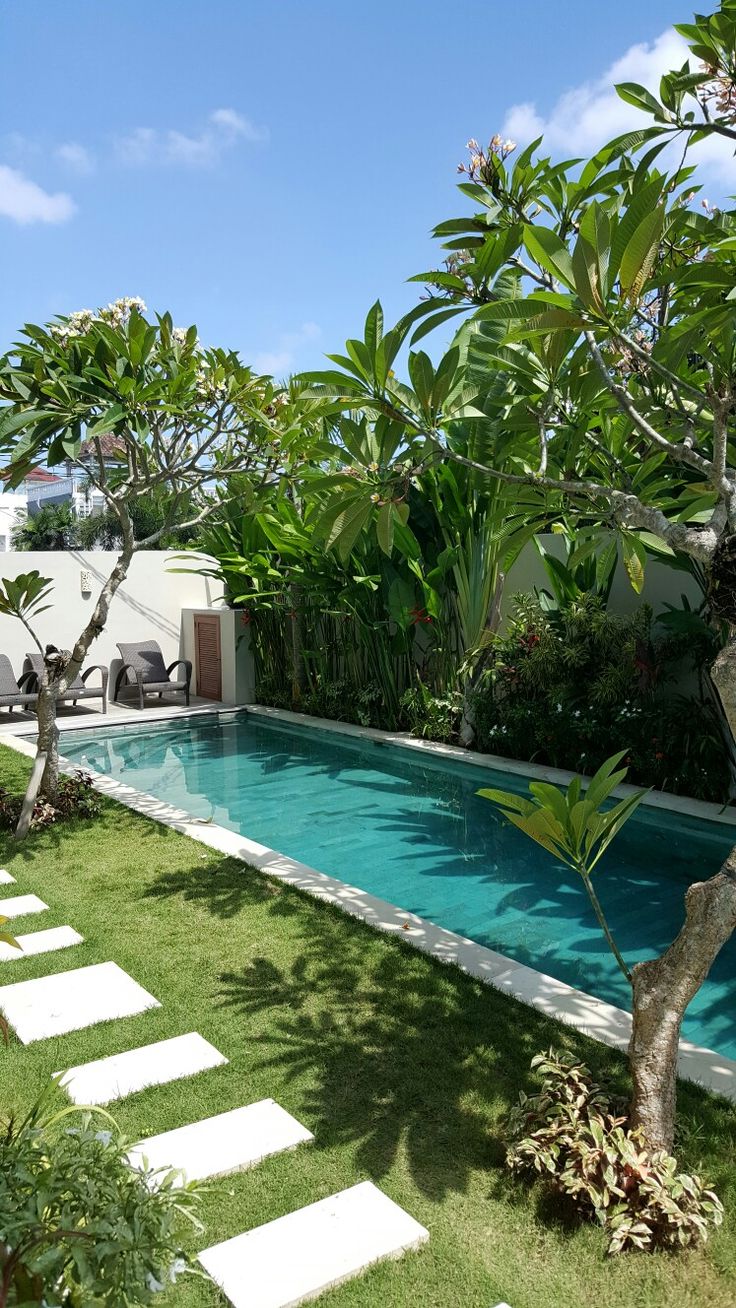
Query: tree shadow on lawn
(394, 1053)
(225, 888)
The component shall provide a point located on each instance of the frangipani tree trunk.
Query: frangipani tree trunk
(663, 987)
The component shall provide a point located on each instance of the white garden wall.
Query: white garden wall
(158, 604)
(662, 585)
(147, 607)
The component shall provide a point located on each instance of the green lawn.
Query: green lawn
(403, 1069)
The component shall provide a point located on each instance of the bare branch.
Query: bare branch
(677, 450)
(627, 509)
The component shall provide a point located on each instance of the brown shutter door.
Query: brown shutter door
(207, 648)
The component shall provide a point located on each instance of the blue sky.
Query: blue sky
(266, 168)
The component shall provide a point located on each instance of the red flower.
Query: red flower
(246, 617)
(418, 615)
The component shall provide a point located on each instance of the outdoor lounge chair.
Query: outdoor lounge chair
(16, 693)
(79, 688)
(143, 667)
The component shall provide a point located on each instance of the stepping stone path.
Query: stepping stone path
(119, 1075)
(278, 1265)
(40, 942)
(69, 1001)
(230, 1142)
(20, 905)
(296, 1257)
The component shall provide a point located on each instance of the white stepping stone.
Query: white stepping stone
(5, 878)
(296, 1257)
(19, 905)
(118, 1075)
(230, 1142)
(40, 942)
(69, 1001)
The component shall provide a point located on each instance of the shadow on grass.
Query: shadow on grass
(395, 1055)
(391, 1054)
(225, 888)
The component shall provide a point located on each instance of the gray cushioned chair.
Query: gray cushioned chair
(79, 688)
(143, 668)
(16, 693)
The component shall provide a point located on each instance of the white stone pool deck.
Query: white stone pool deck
(587, 1014)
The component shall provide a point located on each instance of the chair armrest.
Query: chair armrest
(124, 670)
(96, 667)
(184, 663)
(31, 677)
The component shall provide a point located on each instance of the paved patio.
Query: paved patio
(69, 718)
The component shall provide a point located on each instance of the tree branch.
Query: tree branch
(677, 450)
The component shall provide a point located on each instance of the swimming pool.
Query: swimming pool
(413, 831)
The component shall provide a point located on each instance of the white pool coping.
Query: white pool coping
(585, 1013)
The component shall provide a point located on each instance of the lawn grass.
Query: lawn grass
(401, 1067)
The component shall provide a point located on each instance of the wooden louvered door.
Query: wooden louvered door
(207, 651)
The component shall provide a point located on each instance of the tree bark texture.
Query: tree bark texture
(60, 669)
(663, 987)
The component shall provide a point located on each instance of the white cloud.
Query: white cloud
(229, 120)
(588, 115)
(25, 202)
(138, 147)
(76, 157)
(282, 360)
(223, 129)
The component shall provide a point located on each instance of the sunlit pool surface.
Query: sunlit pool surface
(414, 832)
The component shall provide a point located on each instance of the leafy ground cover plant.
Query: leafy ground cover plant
(78, 1225)
(433, 717)
(577, 1139)
(76, 797)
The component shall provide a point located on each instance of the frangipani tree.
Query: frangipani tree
(143, 408)
(602, 314)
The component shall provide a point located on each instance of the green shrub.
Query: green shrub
(432, 717)
(571, 687)
(341, 701)
(574, 1137)
(79, 1226)
(77, 797)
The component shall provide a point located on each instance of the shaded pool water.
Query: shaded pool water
(413, 831)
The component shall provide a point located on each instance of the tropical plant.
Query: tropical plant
(78, 1225)
(76, 797)
(573, 1137)
(103, 531)
(606, 323)
(5, 936)
(54, 527)
(570, 685)
(418, 604)
(575, 826)
(144, 410)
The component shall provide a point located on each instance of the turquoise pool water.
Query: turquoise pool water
(414, 832)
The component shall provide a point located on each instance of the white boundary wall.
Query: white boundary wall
(662, 584)
(148, 606)
(157, 604)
